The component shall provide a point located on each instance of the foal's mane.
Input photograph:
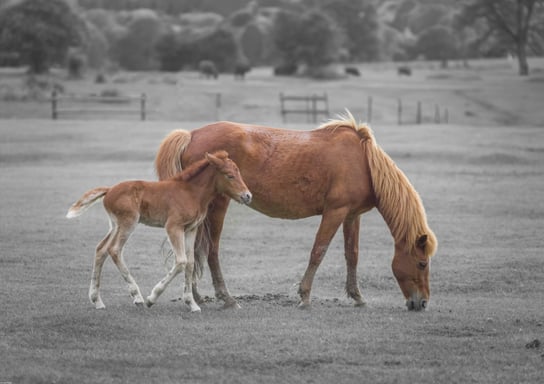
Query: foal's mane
(197, 167)
(397, 200)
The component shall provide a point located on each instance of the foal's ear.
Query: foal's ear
(421, 241)
(214, 160)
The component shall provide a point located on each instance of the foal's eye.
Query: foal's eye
(422, 265)
(230, 177)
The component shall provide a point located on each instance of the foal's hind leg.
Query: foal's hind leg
(100, 257)
(188, 290)
(177, 241)
(351, 248)
(115, 249)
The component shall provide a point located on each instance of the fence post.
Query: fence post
(436, 114)
(369, 112)
(217, 105)
(54, 114)
(399, 112)
(282, 107)
(418, 117)
(142, 106)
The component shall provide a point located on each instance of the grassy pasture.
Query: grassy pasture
(481, 190)
(481, 179)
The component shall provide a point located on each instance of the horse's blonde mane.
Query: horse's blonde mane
(397, 200)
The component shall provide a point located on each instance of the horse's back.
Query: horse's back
(291, 173)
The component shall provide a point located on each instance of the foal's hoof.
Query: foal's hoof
(100, 306)
(304, 306)
(149, 303)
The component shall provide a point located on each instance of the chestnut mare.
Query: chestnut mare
(337, 171)
(178, 204)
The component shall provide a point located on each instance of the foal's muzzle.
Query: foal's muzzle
(246, 197)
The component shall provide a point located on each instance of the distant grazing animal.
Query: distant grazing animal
(178, 204)
(404, 70)
(337, 171)
(208, 69)
(285, 70)
(352, 71)
(240, 70)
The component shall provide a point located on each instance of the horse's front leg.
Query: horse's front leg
(188, 289)
(351, 249)
(215, 218)
(176, 237)
(330, 222)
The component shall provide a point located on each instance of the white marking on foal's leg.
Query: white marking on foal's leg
(188, 289)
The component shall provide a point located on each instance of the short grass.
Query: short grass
(481, 188)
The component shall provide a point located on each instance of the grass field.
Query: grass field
(481, 185)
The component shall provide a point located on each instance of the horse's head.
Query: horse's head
(411, 266)
(230, 182)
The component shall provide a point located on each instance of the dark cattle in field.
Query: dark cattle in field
(353, 71)
(240, 70)
(208, 69)
(285, 70)
(404, 70)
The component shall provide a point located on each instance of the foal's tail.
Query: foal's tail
(86, 201)
(167, 164)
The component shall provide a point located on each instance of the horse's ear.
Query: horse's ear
(421, 241)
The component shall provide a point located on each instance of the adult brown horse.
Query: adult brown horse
(337, 171)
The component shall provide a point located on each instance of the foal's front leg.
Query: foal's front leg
(177, 241)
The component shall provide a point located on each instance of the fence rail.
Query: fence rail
(95, 105)
(310, 105)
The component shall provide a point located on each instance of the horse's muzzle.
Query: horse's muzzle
(417, 303)
(245, 198)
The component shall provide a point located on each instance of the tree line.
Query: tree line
(174, 35)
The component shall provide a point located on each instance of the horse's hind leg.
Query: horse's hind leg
(100, 257)
(177, 241)
(215, 217)
(351, 249)
(115, 249)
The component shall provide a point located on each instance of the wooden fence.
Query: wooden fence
(310, 105)
(80, 105)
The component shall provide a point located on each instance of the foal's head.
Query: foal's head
(229, 181)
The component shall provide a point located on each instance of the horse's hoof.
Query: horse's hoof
(232, 305)
(100, 306)
(360, 304)
(198, 310)
(149, 303)
(304, 306)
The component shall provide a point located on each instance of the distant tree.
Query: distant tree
(310, 38)
(136, 49)
(174, 53)
(512, 22)
(437, 43)
(40, 32)
(358, 21)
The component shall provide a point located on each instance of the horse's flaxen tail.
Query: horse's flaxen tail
(168, 159)
(167, 164)
(86, 201)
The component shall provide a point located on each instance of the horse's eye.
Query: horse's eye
(230, 177)
(422, 265)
